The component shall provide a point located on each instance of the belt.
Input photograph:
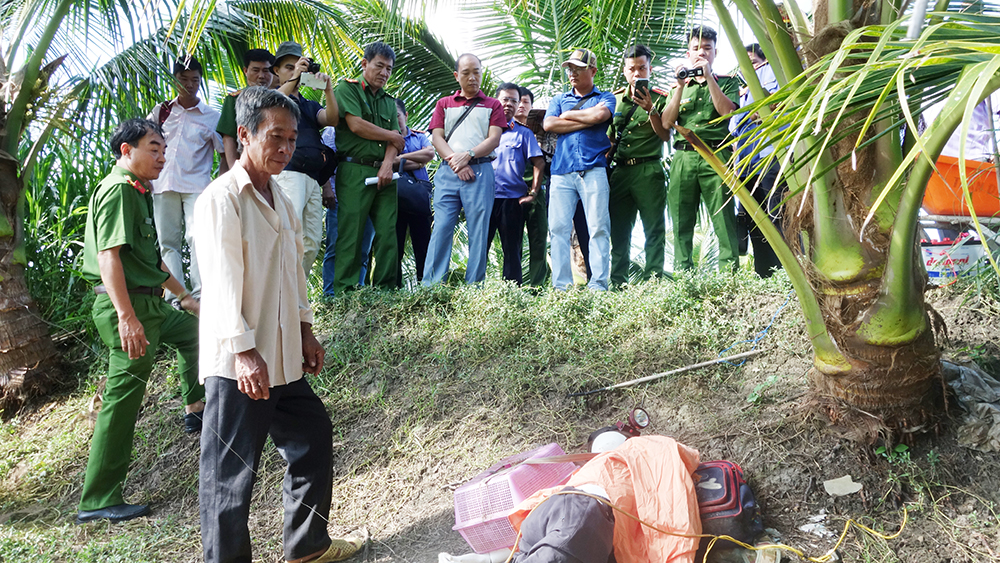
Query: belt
(634, 161)
(363, 161)
(482, 160)
(684, 146)
(154, 291)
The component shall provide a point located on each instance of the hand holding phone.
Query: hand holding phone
(641, 86)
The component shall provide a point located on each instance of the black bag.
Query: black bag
(726, 502)
(412, 194)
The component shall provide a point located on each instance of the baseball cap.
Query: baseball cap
(582, 58)
(287, 48)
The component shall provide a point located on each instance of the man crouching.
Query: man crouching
(256, 342)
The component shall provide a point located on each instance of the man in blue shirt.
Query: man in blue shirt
(517, 147)
(579, 170)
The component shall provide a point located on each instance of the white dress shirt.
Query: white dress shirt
(191, 144)
(253, 287)
(982, 128)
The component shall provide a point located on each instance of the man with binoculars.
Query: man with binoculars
(697, 100)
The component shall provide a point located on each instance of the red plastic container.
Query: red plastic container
(944, 190)
(483, 504)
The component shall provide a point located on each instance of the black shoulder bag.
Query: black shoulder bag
(413, 195)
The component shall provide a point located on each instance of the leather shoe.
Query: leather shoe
(192, 422)
(117, 513)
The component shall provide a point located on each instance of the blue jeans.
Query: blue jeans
(329, 256)
(590, 188)
(451, 195)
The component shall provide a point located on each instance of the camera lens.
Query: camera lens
(313, 66)
(683, 73)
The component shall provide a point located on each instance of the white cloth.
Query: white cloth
(173, 215)
(979, 142)
(306, 196)
(253, 287)
(191, 141)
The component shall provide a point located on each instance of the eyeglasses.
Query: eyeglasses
(508, 99)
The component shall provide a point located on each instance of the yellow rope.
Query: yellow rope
(821, 559)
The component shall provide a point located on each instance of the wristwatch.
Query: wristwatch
(472, 153)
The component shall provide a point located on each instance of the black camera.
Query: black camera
(313, 66)
(690, 73)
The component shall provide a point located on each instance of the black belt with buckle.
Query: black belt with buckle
(363, 161)
(635, 161)
(481, 160)
(141, 290)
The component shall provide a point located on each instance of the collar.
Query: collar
(593, 90)
(201, 106)
(132, 180)
(367, 88)
(459, 96)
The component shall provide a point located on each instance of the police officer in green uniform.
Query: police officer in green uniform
(257, 65)
(121, 256)
(637, 180)
(368, 139)
(695, 103)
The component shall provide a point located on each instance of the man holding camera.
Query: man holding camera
(637, 181)
(302, 179)
(700, 98)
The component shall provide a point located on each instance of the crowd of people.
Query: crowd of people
(255, 232)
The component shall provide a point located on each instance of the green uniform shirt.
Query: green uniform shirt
(121, 215)
(227, 117)
(697, 109)
(639, 140)
(354, 97)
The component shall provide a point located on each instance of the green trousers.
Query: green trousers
(355, 203)
(111, 446)
(536, 222)
(640, 188)
(692, 181)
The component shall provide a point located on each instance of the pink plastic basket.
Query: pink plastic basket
(483, 504)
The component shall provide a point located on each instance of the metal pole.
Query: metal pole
(917, 19)
(666, 373)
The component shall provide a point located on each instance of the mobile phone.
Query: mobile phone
(309, 80)
(642, 85)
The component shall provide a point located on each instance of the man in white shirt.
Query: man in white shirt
(256, 341)
(189, 129)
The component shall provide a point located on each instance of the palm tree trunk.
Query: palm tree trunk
(28, 361)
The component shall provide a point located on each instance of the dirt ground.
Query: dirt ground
(396, 469)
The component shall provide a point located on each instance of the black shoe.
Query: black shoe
(117, 513)
(192, 422)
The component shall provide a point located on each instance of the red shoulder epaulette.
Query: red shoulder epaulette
(412, 130)
(236, 93)
(351, 80)
(660, 92)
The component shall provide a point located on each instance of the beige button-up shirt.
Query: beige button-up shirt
(253, 292)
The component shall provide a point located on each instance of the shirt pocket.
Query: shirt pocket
(513, 148)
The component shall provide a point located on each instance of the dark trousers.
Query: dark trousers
(536, 222)
(582, 235)
(420, 235)
(235, 428)
(765, 261)
(508, 219)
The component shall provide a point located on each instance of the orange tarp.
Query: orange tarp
(648, 477)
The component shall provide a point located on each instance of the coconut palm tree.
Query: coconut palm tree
(843, 125)
(52, 91)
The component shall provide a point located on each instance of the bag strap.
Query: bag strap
(165, 108)
(620, 134)
(461, 118)
(583, 99)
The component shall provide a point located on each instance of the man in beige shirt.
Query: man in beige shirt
(256, 342)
